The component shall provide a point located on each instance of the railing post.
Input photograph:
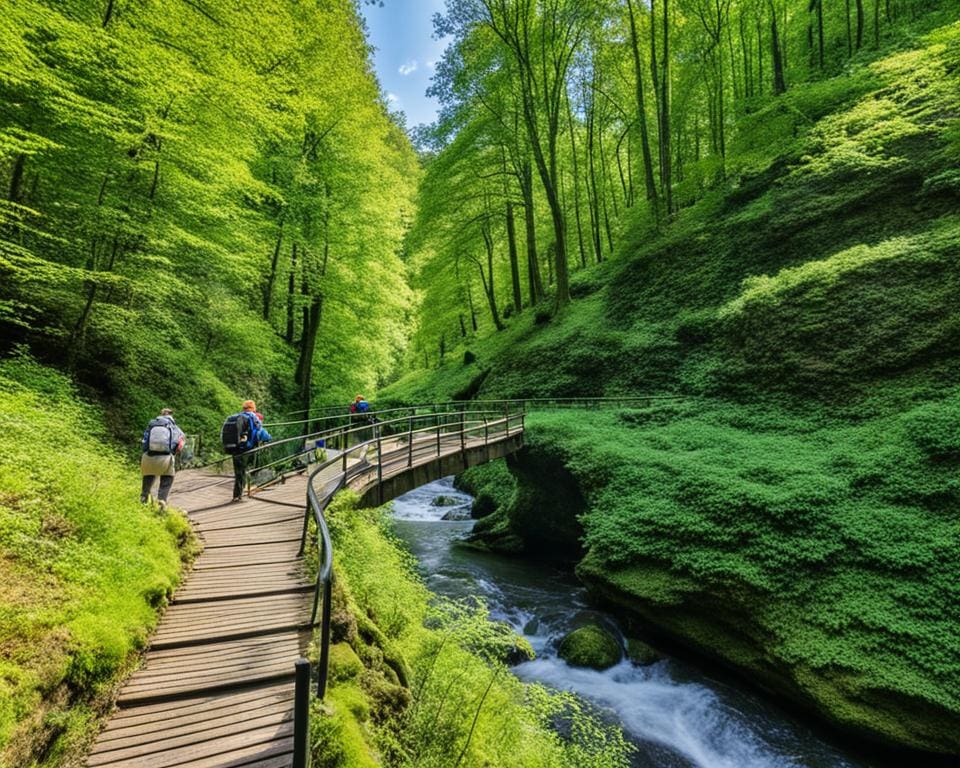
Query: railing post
(324, 639)
(379, 465)
(301, 714)
(438, 437)
(463, 438)
(410, 441)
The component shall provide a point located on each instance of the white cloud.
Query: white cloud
(430, 64)
(392, 98)
(408, 68)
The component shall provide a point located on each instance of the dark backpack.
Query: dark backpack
(238, 433)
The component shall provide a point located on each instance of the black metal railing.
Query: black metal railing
(395, 450)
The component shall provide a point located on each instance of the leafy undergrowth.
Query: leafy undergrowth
(416, 681)
(83, 566)
(814, 554)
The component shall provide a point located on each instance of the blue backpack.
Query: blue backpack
(363, 407)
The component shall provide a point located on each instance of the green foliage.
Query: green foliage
(463, 706)
(83, 564)
(824, 541)
(192, 204)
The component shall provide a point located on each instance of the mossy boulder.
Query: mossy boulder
(590, 646)
(344, 662)
(444, 501)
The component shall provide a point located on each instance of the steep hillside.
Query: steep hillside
(794, 512)
(84, 567)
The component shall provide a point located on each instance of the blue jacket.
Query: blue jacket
(257, 433)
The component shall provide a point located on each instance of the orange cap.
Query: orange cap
(249, 405)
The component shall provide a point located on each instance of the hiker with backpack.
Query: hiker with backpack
(241, 433)
(360, 414)
(162, 441)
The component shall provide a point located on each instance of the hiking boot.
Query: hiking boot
(162, 505)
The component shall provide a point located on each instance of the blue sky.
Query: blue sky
(402, 33)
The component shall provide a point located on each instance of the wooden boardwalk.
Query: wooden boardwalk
(216, 686)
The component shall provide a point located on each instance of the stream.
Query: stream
(676, 714)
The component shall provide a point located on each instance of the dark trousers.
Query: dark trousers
(166, 483)
(240, 462)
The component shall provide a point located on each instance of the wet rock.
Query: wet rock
(642, 654)
(590, 646)
(445, 501)
(531, 627)
(458, 513)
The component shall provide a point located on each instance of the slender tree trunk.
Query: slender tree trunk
(876, 23)
(514, 261)
(535, 283)
(649, 181)
(488, 287)
(745, 53)
(820, 30)
(108, 13)
(576, 186)
(779, 82)
(665, 156)
(849, 30)
(463, 326)
(860, 20)
(760, 52)
(473, 309)
(291, 290)
(272, 277)
(592, 183)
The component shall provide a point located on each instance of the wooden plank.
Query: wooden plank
(199, 706)
(232, 748)
(152, 730)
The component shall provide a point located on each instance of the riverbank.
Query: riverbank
(417, 680)
(800, 551)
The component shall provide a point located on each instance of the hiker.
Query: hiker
(360, 414)
(162, 441)
(241, 433)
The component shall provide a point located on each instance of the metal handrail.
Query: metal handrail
(449, 406)
(318, 503)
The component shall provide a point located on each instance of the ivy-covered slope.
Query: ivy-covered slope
(84, 567)
(797, 512)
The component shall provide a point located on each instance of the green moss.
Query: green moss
(590, 646)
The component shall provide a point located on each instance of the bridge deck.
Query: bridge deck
(216, 686)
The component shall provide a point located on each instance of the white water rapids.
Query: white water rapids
(676, 714)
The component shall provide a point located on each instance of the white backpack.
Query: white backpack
(159, 438)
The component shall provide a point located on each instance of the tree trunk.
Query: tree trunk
(514, 261)
(592, 182)
(108, 13)
(779, 82)
(649, 181)
(535, 282)
(860, 20)
(849, 30)
(820, 29)
(576, 186)
(665, 98)
(291, 289)
(488, 288)
(271, 278)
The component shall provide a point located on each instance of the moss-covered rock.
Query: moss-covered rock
(590, 646)
(344, 663)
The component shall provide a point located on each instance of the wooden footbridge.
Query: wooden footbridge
(223, 683)
(216, 687)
